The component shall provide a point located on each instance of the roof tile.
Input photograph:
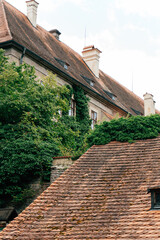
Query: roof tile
(102, 196)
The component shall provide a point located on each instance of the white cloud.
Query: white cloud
(73, 42)
(102, 40)
(47, 5)
(134, 27)
(155, 41)
(141, 7)
(111, 15)
(51, 6)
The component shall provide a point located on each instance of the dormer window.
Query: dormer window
(111, 95)
(88, 80)
(62, 63)
(136, 111)
(155, 197)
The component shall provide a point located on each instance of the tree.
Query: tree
(32, 130)
(28, 109)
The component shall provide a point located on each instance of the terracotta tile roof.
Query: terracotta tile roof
(102, 196)
(125, 98)
(15, 26)
(110, 117)
(4, 29)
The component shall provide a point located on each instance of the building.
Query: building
(111, 192)
(25, 41)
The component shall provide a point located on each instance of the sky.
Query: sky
(126, 31)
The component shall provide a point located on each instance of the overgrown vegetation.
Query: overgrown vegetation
(125, 129)
(72, 131)
(31, 129)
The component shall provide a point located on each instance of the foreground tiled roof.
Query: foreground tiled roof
(102, 196)
(16, 27)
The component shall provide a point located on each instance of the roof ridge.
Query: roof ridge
(4, 1)
(5, 19)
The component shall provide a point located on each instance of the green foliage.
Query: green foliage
(67, 130)
(23, 196)
(72, 131)
(28, 140)
(32, 130)
(72, 139)
(123, 129)
(82, 111)
(83, 118)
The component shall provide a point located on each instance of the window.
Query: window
(60, 113)
(136, 111)
(62, 63)
(72, 111)
(88, 80)
(93, 118)
(155, 198)
(111, 95)
(41, 82)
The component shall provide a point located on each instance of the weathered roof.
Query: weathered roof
(15, 28)
(104, 195)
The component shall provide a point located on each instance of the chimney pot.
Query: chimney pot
(149, 104)
(91, 56)
(55, 33)
(32, 6)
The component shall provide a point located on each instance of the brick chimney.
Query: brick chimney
(91, 56)
(55, 33)
(32, 6)
(149, 104)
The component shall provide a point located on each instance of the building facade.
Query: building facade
(25, 41)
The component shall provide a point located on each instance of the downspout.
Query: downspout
(22, 56)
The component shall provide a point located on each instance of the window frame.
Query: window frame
(154, 204)
(72, 110)
(93, 118)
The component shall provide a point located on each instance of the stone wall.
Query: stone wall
(59, 165)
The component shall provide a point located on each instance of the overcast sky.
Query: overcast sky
(126, 31)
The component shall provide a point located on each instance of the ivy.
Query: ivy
(82, 111)
(28, 138)
(73, 130)
(32, 130)
(125, 129)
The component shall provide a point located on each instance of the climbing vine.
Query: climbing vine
(31, 129)
(82, 111)
(73, 130)
(125, 129)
